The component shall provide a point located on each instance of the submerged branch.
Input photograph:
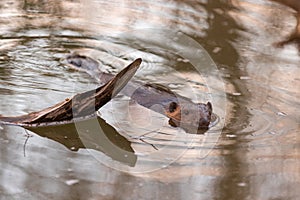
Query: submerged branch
(81, 105)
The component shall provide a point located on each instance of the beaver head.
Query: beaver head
(192, 118)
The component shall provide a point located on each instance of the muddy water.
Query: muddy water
(256, 155)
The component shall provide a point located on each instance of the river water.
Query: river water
(225, 52)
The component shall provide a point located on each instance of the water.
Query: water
(255, 157)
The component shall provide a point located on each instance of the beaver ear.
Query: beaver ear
(209, 106)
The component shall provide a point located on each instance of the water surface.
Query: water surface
(255, 157)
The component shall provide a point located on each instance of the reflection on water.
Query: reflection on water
(257, 156)
(84, 134)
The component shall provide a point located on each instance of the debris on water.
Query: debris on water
(217, 49)
(69, 170)
(236, 94)
(282, 114)
(231, 136)
(183, 60)
(73, 148)
(186, 60)
(245, 78)
(242, 184)
(272, 132)
(72, 182)
(164, 166)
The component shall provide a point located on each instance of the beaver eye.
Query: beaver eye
(172, 107)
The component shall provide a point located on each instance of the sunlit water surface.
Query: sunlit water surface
(257, 155)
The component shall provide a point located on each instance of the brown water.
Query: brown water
(255, 156)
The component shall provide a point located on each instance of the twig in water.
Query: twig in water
(27, 137)
(149, 144)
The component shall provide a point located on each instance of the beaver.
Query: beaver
(193, 117)
(182, 112)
